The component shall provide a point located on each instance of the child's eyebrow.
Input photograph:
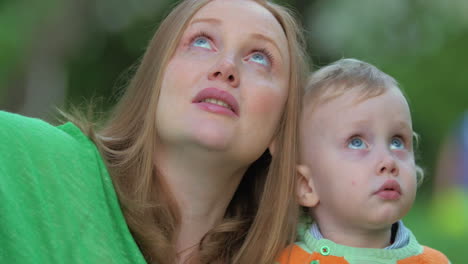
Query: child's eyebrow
(402, 125)
(360, 123)
(399, 125)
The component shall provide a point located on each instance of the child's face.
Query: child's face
(360, 158)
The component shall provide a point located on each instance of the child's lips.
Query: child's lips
(390, 190)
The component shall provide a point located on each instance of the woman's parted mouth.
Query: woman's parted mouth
(217, 100)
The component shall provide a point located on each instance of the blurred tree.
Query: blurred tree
(18, 23)
(71, 54)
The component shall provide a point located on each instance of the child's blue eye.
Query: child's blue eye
(201, 42)
(397, 143)
(260, 58)
(357, 143)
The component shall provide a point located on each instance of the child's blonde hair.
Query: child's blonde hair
(347, 75)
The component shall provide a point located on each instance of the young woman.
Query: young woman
(186, 148)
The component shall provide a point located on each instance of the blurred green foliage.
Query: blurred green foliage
(18, 22)
(420, 43)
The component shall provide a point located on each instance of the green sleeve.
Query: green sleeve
(57, 201)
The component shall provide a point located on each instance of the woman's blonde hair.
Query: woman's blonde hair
(260, 218)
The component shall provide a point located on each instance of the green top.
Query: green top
(57, 201)
(311, 250)
(360, 255)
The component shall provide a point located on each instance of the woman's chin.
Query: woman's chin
(225, 140)
(213, 139)
(193, 129)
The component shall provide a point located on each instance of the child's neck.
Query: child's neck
(356, 237)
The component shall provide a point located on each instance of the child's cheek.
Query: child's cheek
(403, 154)
(354, 154)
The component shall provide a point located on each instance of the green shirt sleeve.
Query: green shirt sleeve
(57, 201)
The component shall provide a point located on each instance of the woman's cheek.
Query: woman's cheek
(267, 102)
(266, 90)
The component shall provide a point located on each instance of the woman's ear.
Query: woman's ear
(305, 188)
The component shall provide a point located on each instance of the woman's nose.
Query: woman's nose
(226, 70)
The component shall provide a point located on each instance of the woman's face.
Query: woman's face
(226, 86)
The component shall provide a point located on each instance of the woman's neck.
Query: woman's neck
(202, 185)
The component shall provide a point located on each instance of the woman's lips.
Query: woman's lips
(217, 101)
(390, 190)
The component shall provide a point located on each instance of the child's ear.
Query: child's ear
(305, 189)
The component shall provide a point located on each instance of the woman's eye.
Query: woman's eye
(357, 143)
(260, 58)
(397, 143)
(202, 42)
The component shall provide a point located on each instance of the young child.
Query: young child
(357, 176)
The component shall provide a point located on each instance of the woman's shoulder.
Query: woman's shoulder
(34, 145)
(29, 132)
(58, 197)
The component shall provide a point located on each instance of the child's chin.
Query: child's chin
(384, 220)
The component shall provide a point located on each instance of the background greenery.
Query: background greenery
(56, 53)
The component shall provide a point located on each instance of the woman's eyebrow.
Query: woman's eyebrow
(267, 39)
(214, 21)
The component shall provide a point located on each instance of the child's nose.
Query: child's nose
(387, 165)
